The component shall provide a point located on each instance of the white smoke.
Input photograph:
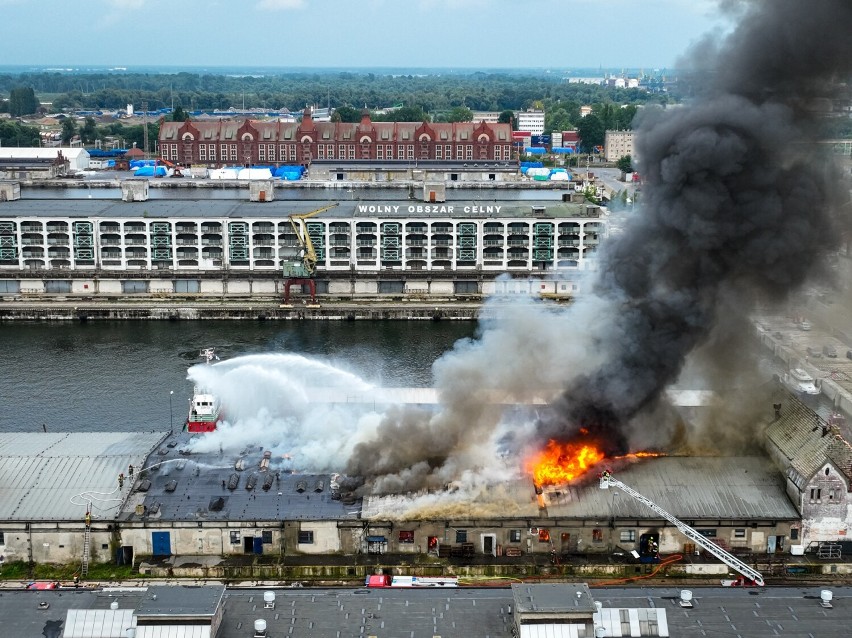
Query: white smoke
(266, 401)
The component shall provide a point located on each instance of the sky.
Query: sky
(353, 33)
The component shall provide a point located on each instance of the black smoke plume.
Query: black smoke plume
(737, 203)
(737, 206)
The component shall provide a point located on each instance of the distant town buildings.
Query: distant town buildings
(617, 144)
(489, 117)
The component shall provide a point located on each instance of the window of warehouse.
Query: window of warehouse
(306, 537)
(461, 535)
(628, 535)
(235, 538)
(8, 285)
(406, 536)
(267, 537)
(515, 536)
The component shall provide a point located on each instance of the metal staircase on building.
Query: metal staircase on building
(87, 536)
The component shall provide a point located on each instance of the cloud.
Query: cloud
(280, 5)
(116, 10)
(430, 5)
(130, 5)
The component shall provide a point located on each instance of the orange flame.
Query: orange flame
(642, 455)
(562, 462)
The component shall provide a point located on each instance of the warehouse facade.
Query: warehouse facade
(249, 142)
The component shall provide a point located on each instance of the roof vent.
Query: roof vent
(259, 628)
(301, 486)
(269, 600)
(171, 486)
(251, 482)
(825, 597)
(216, 504)
(267, 482)
(319, 486)
(685, 598)
(113, 605)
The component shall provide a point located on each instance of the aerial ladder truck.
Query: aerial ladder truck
(607, 481)
(302, 269)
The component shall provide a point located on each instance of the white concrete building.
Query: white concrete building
(531, 121)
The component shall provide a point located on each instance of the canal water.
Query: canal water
(118, 376)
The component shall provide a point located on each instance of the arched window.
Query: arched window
(187, 137)
(247, 137)
(424, 137)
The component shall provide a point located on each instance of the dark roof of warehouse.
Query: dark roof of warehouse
(197, 487)
(171, 601)
(212, 209)
(328, 613)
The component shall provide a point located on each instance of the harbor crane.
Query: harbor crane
(607, 481)
(301, 269)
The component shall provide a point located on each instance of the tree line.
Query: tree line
(433, 97)
(436, 94)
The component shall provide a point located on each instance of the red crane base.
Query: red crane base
(312, 286)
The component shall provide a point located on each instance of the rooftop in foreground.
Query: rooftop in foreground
(477, 613)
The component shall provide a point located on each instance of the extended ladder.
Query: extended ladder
(87, 537)
(84, 570)
(731, 561)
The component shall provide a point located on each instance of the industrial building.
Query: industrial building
(249, 142)
(177, 501)
(70, 159)
(100, 248)
(407, 171)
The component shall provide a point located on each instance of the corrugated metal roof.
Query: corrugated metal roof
(175, 631)
(690, 488)
(554, 630)
(98, 623)
(215, 209)
(51, 476)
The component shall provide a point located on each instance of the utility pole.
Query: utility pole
(145, 126)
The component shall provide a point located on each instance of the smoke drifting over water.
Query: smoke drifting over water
(266, 402)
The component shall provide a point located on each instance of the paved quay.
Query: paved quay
(249, 309)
